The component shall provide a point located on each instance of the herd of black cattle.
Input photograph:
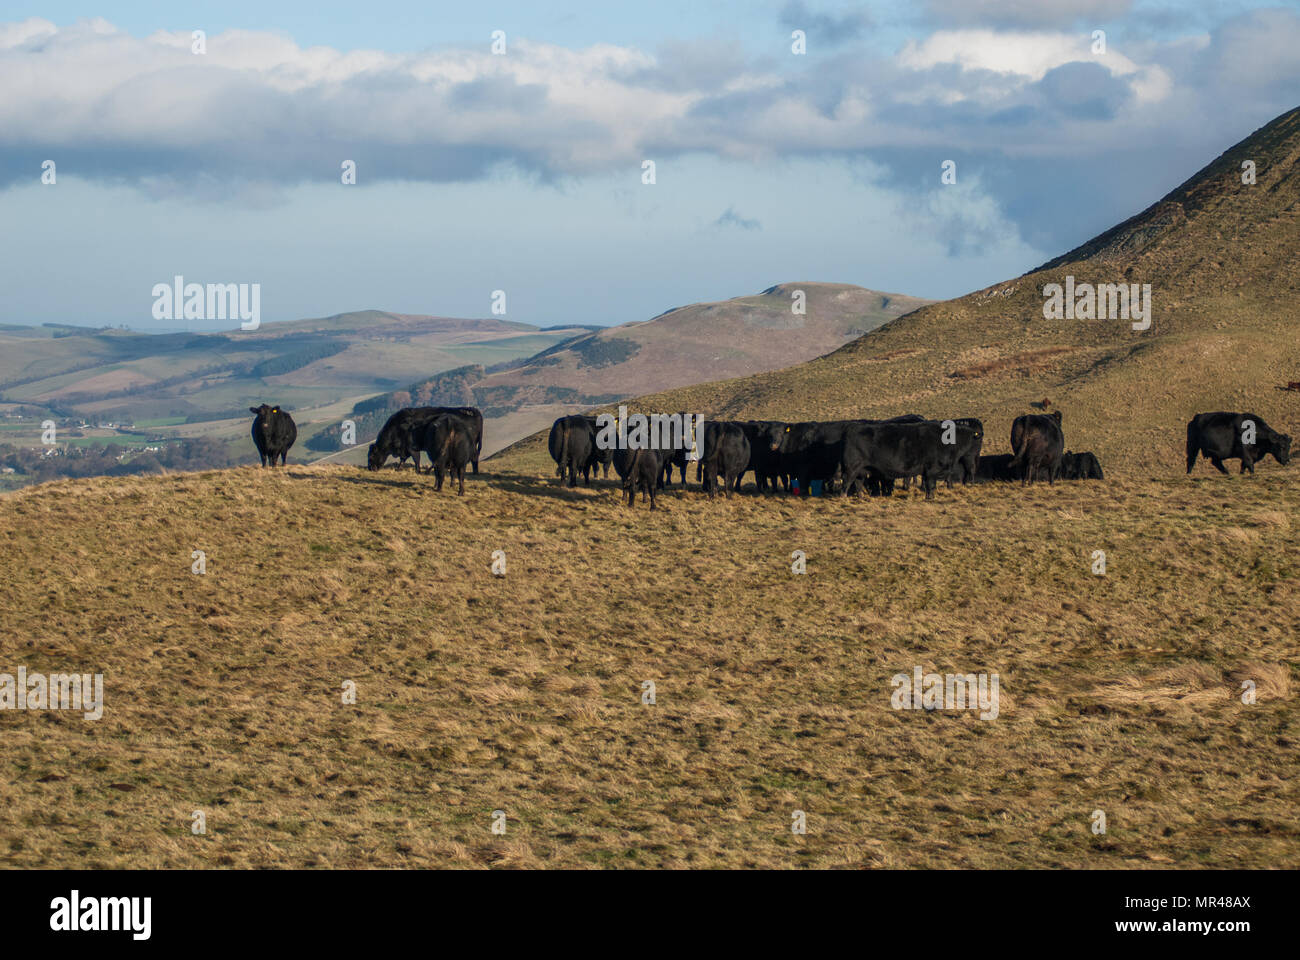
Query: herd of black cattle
(853, 455)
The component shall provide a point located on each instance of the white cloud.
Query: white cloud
(1029, 55)
(258, 107)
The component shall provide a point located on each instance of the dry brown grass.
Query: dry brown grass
(1017, 365)
(522, 693)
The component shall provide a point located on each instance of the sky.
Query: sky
(523, 170)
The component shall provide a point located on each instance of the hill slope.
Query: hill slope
(1223, 261)
(700, 342)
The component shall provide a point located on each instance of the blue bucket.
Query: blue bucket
(815, 487)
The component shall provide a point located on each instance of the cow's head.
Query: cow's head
(263, 415)
(1281, 448)
(777, 436)
(375, 457)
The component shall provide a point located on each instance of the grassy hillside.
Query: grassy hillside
(522, 693)
(1223, 260)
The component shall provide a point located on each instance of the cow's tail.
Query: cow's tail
(564, 449)
(1193, 447)
(446, 444)
(1017, 441)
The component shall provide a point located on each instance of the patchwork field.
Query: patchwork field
(523, 693)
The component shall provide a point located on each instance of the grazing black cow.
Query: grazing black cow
(891, 451)
(642, 472)
(1081, 466)
(403, 432)
(1221, 436)
(969, 437)
(676, 457)
(808, 451)
(1037, 443)
(725, 456)
(996, 467)
(573, 448)
(449, 441)
(273, 433)
(620, 459)
(603, 457)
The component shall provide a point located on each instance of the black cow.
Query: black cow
(273, 433)
(809, 450)
(891, 451)
(969, 437)
(725, 456)
(996, 467)
(1081, 466)
(763, 460)
(449, 441)
(1220, 436)
(641, 472)
(403, 433)
(676, 456)
(604, 457)
(1037, 443)
(573, 448)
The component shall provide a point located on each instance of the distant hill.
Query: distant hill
(1223, 261)
(302, 364)
(697, 343)
(685, 345)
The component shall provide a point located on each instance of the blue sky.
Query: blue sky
(523, 172)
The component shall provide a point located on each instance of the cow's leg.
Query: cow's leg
(1246, 462)
(850, 477)
(1218, 465)
(460, 477)
(928, 484)
(1192, 451)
